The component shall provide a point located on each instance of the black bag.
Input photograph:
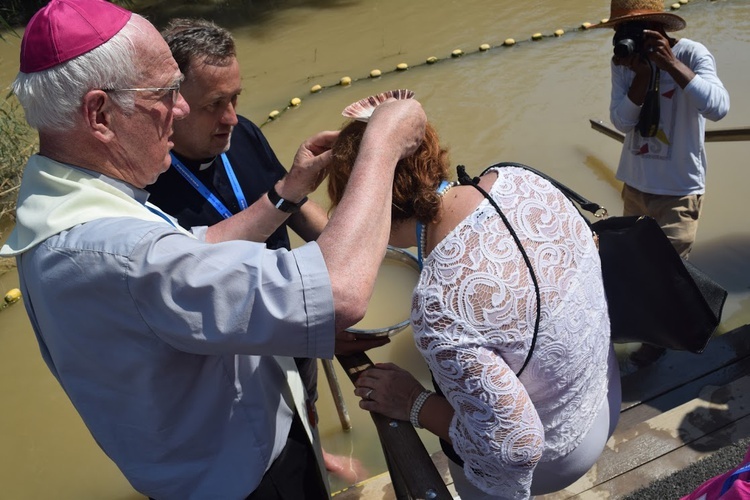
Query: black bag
(653, 295)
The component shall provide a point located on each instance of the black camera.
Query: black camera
(628, 39)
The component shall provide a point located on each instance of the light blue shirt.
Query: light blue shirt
(163, 343)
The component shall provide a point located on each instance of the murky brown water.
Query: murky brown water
(530, 103)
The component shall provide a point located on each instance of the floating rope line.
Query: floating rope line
(455, 54)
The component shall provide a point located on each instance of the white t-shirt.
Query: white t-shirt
(674, 161)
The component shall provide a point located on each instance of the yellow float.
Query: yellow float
(296, 101)
(402, 66)
(375, 73)
(316, 88)
(13, 296)
(345, 81)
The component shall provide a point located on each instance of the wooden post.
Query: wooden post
(412, 471)
(338, 398)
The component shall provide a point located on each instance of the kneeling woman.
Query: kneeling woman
(475, 321)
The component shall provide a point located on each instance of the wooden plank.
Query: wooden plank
(728, 134)
(721, 376)
(678, 368)
(599, 126)
(680, 377)
(716, 408)
(717, 135)
(668, 464)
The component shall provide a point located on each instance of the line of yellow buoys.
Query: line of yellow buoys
(377, 73)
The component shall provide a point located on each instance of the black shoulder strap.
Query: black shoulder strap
(465, 180)
(586, 204)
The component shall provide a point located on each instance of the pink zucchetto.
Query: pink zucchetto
(65, 29)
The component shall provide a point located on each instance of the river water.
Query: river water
(529, 103)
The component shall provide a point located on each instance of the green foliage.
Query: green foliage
(18, 12)
(17, 143)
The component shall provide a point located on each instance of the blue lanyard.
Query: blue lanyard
(161, 214)
(420, 227)
(206, 193)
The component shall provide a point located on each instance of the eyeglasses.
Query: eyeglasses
(174, 90)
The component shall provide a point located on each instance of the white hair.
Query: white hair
(52, 98)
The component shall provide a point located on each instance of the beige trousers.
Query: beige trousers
(676, 215)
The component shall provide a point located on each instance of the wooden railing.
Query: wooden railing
(718, 135)
(413, 474)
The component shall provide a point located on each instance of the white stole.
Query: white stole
(298, 393)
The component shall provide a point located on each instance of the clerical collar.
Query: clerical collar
(195, 165)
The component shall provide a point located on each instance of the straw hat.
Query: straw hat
(642, 10)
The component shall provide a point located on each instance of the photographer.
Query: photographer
(663, 89)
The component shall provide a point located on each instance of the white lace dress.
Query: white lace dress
(473, 316)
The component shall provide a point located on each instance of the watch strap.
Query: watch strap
(284, 205)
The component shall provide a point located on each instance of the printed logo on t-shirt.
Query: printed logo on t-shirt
(659, 146)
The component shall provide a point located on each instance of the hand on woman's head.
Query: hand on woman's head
(400, 122)
(310, 166)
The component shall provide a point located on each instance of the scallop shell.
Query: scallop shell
(362, 109)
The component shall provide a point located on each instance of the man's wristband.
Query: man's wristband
(417, 407)
(282, 204)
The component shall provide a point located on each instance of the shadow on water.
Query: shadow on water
(603, 172)
(228, 13)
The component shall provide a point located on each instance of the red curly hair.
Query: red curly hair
(416, 177)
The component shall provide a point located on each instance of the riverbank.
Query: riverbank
(6, 264)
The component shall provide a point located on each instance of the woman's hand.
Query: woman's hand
(388, 390)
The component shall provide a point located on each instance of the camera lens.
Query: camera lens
(624, 47)
(628, 38)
